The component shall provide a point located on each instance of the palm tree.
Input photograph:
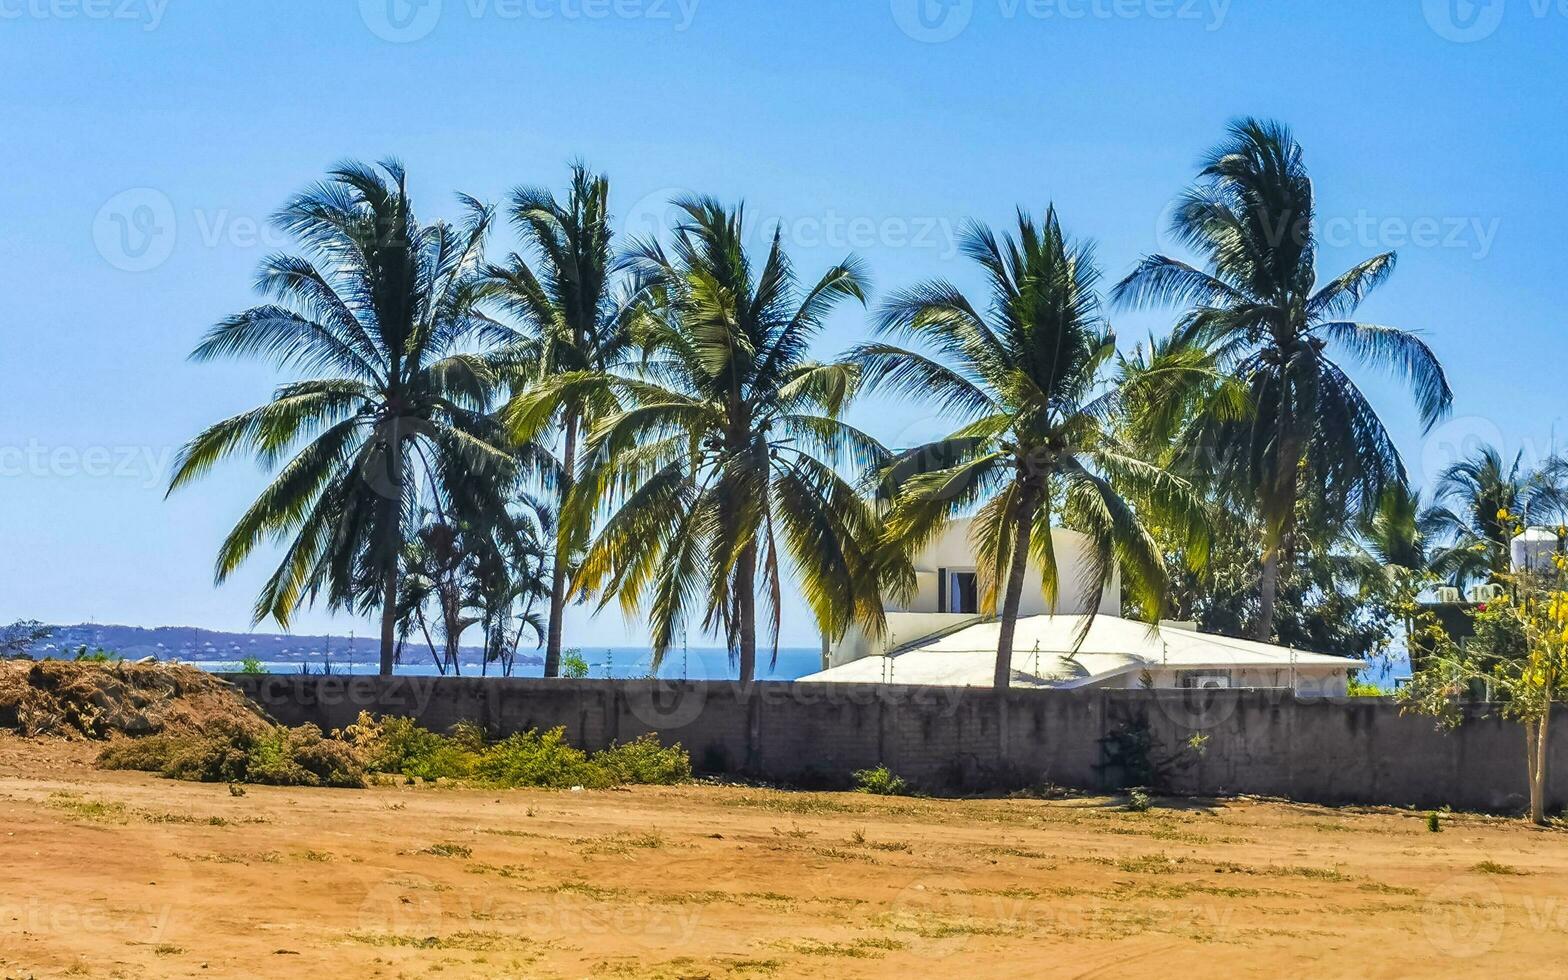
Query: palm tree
(1478, 501)
(1259, 304)
(1027, 378)
(572, 320)
(374, 315)
(728, 442)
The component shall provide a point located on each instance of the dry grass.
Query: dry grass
(713, 881)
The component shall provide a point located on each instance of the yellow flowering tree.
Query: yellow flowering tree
(1517, 659)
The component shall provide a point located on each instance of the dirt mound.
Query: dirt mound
(99, 700)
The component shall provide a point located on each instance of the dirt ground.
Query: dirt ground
(112, 874)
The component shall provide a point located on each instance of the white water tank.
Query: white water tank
(1532, 551)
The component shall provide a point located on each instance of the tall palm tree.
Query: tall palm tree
(1028, 379)
(572, 319)
(374, 315)
(721, 468)
(1260, 305)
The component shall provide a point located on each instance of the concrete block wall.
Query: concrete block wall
(1203, 742)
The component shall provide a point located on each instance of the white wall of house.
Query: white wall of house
(956, 552)
(923, 615)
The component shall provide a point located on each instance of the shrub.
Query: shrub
(573, 665)
(1138, 801)
(398, 745)
(1364, 689)
(401, 747)
(276, 756)
(880, 781)
(532, 759)
(252, 665)
(1434, 823)
(645, 761)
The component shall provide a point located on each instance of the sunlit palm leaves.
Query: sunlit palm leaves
(374, 315)
(720, 469)
(1027, 379)
(571, 318)
(1259, 306)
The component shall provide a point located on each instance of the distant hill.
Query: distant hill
(215, 646)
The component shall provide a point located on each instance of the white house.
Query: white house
(941, 639)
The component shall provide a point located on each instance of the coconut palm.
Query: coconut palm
(1259, 304)
(1028, 379)
(722, 466)
(1479, 500)
(374, 316)
(571, 319)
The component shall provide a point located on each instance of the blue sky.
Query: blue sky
(146, 141)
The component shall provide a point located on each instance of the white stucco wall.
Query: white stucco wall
(919, 618)
(954, 550)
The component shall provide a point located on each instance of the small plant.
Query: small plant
(448, 849)
(573, 665)
(1434, 823)
(880, 781)
(252, 665)
(98, 656)
(1493, 868)
(1364, 689)
(235, 789)
(1138, 801)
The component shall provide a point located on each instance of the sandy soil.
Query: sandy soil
(128, 875)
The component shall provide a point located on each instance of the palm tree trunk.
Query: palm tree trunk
(1263, 629)
(1003, 677)
(1012, 599)
(389, 621)
(552, 652)
(746, 583)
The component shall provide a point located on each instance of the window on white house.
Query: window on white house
(959, 592)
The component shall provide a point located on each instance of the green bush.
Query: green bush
(398, 746)
(573, 665)
(1138, 801)
(646, 762)
(532, 759)
(275, 756)
(880, 781)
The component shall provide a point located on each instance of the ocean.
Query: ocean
(707, 663)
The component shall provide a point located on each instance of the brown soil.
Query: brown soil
(128, 875)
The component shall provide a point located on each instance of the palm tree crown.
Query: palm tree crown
(1260, 305)
(572, 319)
(374, 315)
(721, 465)
(1027, 379)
